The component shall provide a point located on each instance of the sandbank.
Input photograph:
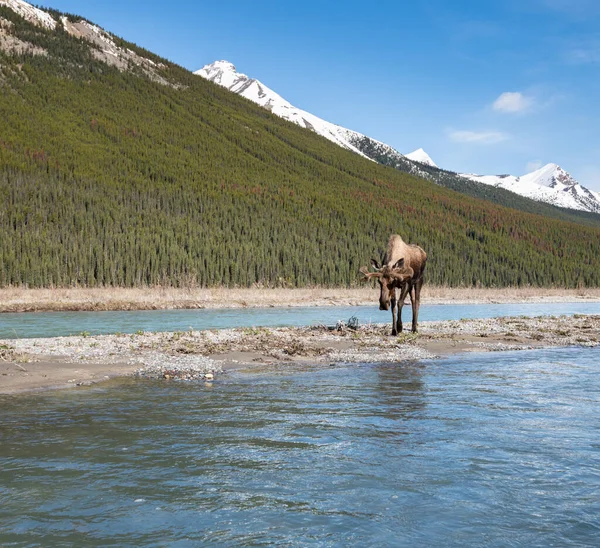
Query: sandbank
(37, 364)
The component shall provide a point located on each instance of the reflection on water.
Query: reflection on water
(59, 324)
(501, 449)
(400, 391)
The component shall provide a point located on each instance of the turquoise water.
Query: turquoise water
(55, 324)
(496, 449)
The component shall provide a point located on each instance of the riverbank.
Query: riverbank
(163, 298)
(34, 364)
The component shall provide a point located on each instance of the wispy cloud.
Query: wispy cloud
(585, 53)
(513, 101)
(478, 137)
(534, 165)
(572, 8)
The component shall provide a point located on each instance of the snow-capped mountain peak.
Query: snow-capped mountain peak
(422, 157)
(224, 66)
(551, 176)
(225, 74)
(550, 184)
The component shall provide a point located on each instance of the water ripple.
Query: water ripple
(476, 449)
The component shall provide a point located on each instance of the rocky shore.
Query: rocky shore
(33, 364)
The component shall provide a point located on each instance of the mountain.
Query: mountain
(30, 13)
(422, 157)
(549, 185)
(104, 46)
(120, 168)
(225, 74)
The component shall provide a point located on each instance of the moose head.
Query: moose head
(389, 278)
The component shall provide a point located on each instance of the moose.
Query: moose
(402, 269)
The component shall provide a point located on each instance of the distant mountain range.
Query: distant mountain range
(549, 184)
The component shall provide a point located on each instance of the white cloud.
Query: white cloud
(480, 137)
(512, 101)
(533, 166)
(586, 54)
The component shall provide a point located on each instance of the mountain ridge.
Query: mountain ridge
(225, 74)
(565, 192)
(550, 184)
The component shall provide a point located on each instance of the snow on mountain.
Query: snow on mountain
(422, 157)
(551, 176)
(225, 74)
(550, 184)
(30, 13)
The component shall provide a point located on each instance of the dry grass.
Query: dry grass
(508, 294)
(156, 298)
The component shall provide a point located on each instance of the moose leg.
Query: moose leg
(416, 303)
(394, 307)
(403, 291)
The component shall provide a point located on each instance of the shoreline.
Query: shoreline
(164, 298)
(39, 364)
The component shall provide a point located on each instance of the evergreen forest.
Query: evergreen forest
(111, 178)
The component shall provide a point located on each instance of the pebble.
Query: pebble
(157, 357)
(190, 367)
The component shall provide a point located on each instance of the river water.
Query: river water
(55, 324)
(491, 449)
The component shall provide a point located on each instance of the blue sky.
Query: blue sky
(488, 87)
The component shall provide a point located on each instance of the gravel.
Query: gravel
(198, 355)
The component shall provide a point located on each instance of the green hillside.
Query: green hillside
(111, 178)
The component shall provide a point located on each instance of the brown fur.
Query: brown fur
(403, 269)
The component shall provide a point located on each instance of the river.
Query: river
(496, 449)
(56, 324)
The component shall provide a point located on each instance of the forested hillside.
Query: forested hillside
(111, 177)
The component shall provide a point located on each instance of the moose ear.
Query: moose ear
(375, 264)
(403, 274)
(399, 264)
